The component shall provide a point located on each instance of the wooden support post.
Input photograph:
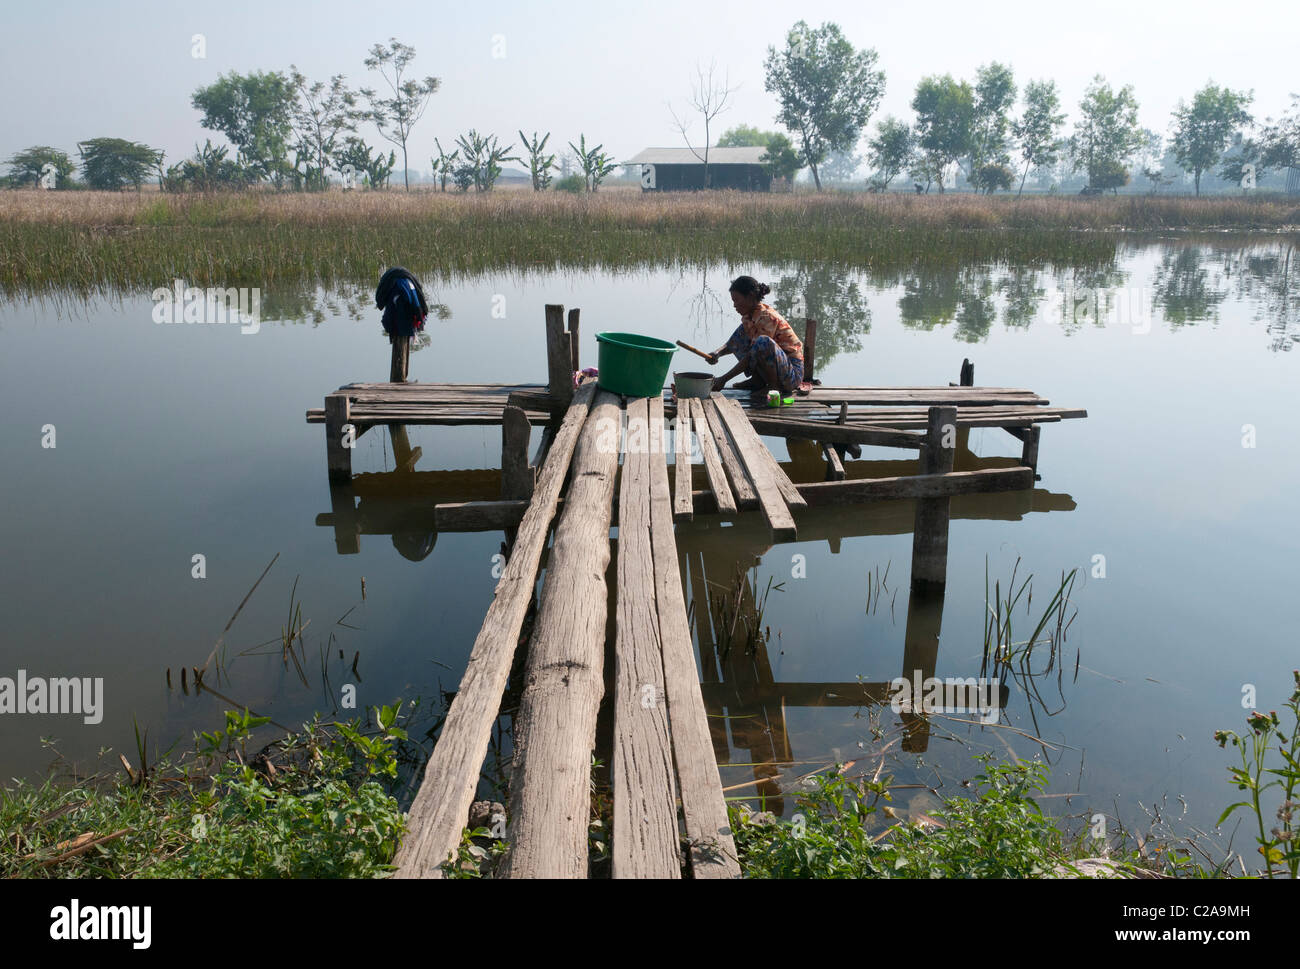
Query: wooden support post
(555, 728)
(516, 472)
(401, 360)
(809, 348)
(340, 435)
(441, 807)
(1029, 453)
(930, 531)
(967, 377)
(559, 359)
(573, 337)
(834, 466)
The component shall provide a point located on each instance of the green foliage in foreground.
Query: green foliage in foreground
(1000, 833)
(313, 805)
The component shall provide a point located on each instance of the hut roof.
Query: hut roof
(685, 156)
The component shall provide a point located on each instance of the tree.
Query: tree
(482, 156)
(781, 160)
(397, 114)
(992, 176)
(841, 166)
(209, 170)
(945, 110)
(114, 163)
(356, 152)
(745, 136)
(28, 166)
(890, 151)
(1038, 127)
(539, 163)
(255, 112)
(1203, 129)
(827, 90)
(994, 97)
(1106, 134)
(444, 165)
(321, 115)
(1150, 159)
(1280, 141)
(595, 164)
(709, 98)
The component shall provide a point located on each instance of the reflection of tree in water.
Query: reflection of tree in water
(1185, 289)
(831, 296)
(317, 305)
(1269, 278)
(938, 296)
(1020, 288)
(1089, 294)
(705, 307)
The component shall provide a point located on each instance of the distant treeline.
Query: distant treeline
(983, 135)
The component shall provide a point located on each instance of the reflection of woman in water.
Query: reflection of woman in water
(766, 347)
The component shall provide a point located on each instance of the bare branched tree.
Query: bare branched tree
(709, 98)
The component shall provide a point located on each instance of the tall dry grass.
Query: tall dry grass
(107, 240)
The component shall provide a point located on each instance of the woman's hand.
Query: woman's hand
(719, 383)
(712, 358)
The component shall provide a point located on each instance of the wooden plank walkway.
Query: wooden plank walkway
(669, 814)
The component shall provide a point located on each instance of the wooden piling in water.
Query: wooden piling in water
(555, 728)
(930, 534)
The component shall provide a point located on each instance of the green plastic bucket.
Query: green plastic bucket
(633, 365)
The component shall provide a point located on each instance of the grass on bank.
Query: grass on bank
(119, 242)
(318, 804)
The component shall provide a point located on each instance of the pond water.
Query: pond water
(178, 440)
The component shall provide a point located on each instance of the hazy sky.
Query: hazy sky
(72, 71)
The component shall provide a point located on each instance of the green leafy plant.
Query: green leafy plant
(1278, 845)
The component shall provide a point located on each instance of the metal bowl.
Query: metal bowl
(693, 384)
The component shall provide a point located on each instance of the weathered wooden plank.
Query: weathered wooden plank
(645, 814)
(758, 462)
(516, 472)
(712, 848)
(811, 430)
(573, 337)
(555, 727)
(723, 499)
(441, 806)
(683, 510)
(741, 486)
(743, 431)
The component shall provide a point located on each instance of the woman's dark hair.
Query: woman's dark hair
(749, 286)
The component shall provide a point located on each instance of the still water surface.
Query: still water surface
(179, 440)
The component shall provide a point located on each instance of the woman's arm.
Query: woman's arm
(721, 382)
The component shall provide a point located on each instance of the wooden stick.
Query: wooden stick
(687, 346)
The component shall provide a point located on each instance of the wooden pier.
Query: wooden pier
(603, 463)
